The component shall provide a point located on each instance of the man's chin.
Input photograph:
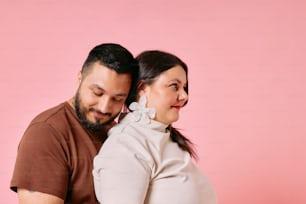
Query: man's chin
(94, 126)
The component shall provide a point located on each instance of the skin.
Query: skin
(28, 197)
(102, 93)
(167, 94)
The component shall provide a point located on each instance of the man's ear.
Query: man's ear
(79, 77)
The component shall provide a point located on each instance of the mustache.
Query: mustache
(99, 112)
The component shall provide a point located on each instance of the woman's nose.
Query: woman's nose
(183, 95)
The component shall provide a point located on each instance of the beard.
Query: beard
(91, 126)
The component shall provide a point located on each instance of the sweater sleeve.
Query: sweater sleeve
(122, 171)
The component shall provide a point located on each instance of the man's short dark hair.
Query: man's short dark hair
(117, 58)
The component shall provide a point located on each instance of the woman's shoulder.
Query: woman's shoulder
(127, 127)
(127, 133)
(126, 141)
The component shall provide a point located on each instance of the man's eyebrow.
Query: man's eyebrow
(120, 95)
(101, 89)
(96, 86)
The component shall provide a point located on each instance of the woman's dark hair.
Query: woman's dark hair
(151, 64)
(117, 58)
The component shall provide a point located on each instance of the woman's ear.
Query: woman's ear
(142, 89)
(141, 92)
(140, 85)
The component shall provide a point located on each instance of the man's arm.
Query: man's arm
(29, 197)
(40, 166)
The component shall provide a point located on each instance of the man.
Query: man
(55, 155)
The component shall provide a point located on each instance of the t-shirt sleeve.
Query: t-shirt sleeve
(121, 172)
(41, 163)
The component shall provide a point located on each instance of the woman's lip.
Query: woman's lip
(177, 107)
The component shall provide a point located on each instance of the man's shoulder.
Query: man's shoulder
(50, 112)
(54, 116)
(59, 121)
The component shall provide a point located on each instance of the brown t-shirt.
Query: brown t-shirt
(55, 156)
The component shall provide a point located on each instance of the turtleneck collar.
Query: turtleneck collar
(152, 124)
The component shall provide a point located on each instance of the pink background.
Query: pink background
(247, 108)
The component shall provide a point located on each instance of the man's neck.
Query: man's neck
(71, 102)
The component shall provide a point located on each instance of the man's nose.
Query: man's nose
(105, 104)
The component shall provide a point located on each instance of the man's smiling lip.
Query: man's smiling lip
(99, 115)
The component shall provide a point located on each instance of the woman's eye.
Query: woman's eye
(174, 86)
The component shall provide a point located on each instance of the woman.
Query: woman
(145, 160)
